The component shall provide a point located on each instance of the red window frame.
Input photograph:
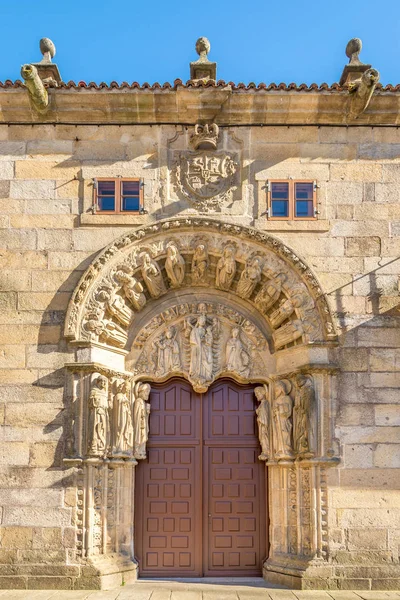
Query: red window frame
(118, 181)
(291, 200)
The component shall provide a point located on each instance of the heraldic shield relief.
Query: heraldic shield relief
(206, 177)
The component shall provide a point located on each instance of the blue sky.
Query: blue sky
(126, 40)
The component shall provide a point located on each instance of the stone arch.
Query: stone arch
(200, 299)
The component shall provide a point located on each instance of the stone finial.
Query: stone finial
(47, 70)
(355, 68)
(48, 49)
(202, 68)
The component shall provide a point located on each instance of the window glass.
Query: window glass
(303, 199)
(106, 195)
(130, 193)
(280, 199)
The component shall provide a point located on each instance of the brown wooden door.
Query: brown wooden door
(200, 495)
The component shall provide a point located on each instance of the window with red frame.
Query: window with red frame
(114, 196)
(291, 200)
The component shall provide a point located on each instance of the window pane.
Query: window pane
(130, 203)
(280, 208)
(130, 188)
(304, 208)
(280, 191)
(106, 202)
(106, 188)
(303, 191)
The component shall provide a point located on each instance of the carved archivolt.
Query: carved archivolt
(145, 265)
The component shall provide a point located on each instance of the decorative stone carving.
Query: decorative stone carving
(203, 68)
(115, 306)
(288, 333)
(304, 405)
(237, 357)
(226, 268)
(270, 292)
(286, 309)
(133, 289)
(205, 137)
(200, 264)
(99, 427)
(123, 419)
(168, 353)
(282, 419)
(264, 421)
(152, 276)
(251, 275)
(200, 336)
(37, 92)
(106, 331)
(361, 91)
(174, 265)
(141, 413)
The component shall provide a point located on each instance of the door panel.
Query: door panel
(202, 452)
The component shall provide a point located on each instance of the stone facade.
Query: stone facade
(66, 508)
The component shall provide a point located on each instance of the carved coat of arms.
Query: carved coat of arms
(206, 177)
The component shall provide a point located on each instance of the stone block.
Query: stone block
(13, 583)
(46, 207)
(371, 211)
(16, 537)
(14, 239)
(32, 415)
(380, 380)
(27, 393)
(6, 169)
(54, 239)
(69, 260)
(342, 212)
(17, 259)
(91, 240)
(344, 192)
(387, 415)
(369, 518)
(336, 283)
(29, 516)
(368, 557)
(14, 453)
(354, 361)
(8, 301)
(45, 454)
(103, 150)
(15, 280)
(32, 189)
(68, 189)
(387, 193)
(12, 357)
(47, 356)
(55, 281)
(378, 151)
(367, 539)
(50, 583)
(46, 170)
(12, 149)
(359, 171)
(359, 456)
(49, 146)
(378, 336)
(359, 228)
(377, 478)
(47, 537)
(13, 376)
(387, 456)
(363, 246)
(29, 497)
(53, 222)
(356, 414)
(43, 301)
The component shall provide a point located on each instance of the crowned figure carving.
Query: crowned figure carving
(205, 137)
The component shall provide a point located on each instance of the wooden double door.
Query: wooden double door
(200, 495)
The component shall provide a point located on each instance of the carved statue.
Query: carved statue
(249, 278)
(36, 89)
(123, 415)
(226, 268)
(133, 289)
(175, 265)
(141, 412)
(304, 402)
(263, 421)
(116, 306)
(200, 264)
(237, 358)
(107, 331)
(168, 358)
(282, 419)
(361, 92)
(288, 333)
(270, 292)
(152, 276)
(200, 339)
(98, 427)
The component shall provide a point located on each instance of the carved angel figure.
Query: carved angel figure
(168, 356)
(116, 306)
(270, 292)
(124, 424)
(288, 333)
(98, 426)
(152, 276)
(200, 264)
(304, 402)
(141, 412)
(107, 331)
(263, 421)
(175, 265)
(249, 278)
(133, 289)
(282, 415)
(226, 268)
(237, 358)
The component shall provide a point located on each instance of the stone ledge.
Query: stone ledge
(114, 220)
(293, 226)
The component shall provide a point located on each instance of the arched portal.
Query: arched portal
(201, 300)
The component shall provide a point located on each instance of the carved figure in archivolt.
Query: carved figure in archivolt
(288, 333)
(264, 421)
(168, 355)
(249, 278)
(226, 268)
(282, 419)
(200, 264)
(237, 358)
(286, 309)
(152, 276)
(141, 413)
(270, 292)
(123, 418)
(304, 403)
(174, 265)
(115, 305)
(98, 426)
(133, 289)
(106, 331)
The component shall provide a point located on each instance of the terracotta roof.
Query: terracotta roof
(314, 87)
